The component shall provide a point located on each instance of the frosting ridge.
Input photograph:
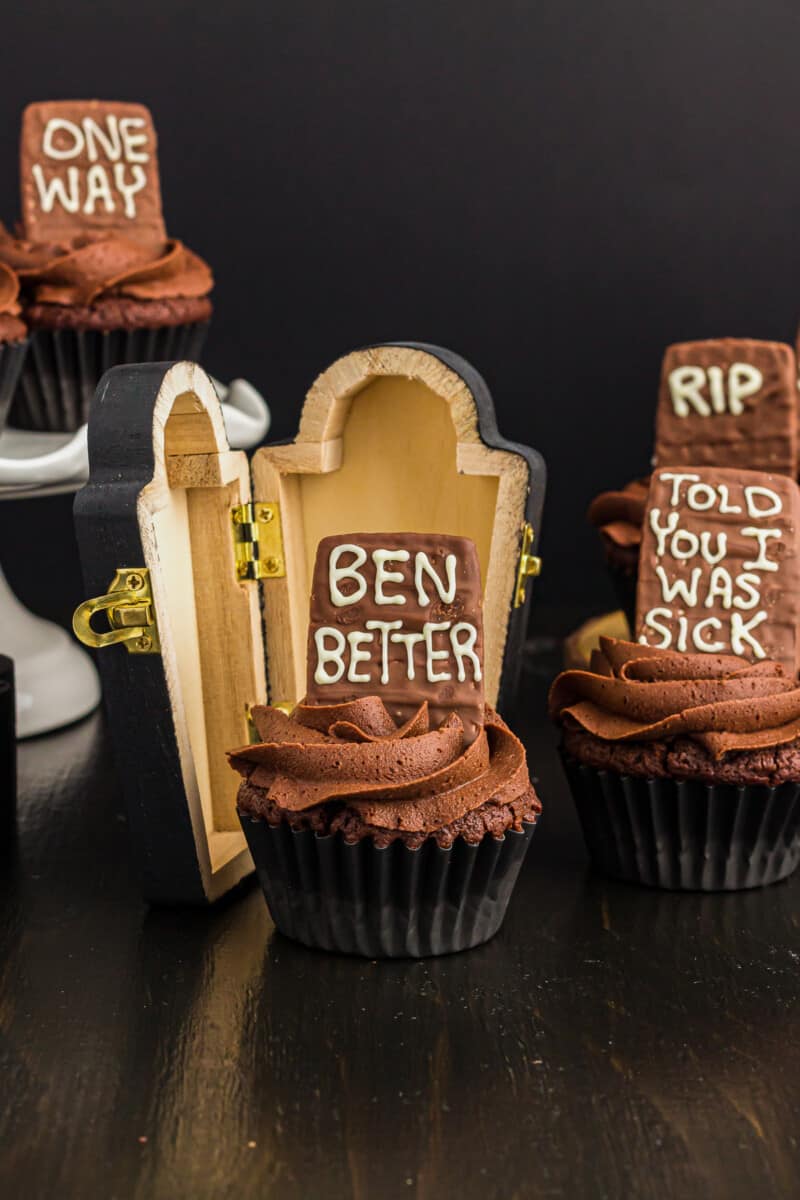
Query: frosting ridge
(636, 693)
(84, 270)
(11, 328)
(408, 777)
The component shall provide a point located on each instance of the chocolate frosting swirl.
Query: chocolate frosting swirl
(635, 693)
(11, 328)
(620, 515)
(89, 269)
(408, 777)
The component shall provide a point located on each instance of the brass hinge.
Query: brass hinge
(530, 565)
(131, 614)
(258, 540)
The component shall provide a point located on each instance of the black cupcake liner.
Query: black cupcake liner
(686, 835)
(64, 366)
(8, 744)
(12, 356)
(353, 898)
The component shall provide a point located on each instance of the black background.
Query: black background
(554, 190)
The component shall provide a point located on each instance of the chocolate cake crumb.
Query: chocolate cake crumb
(120, 312)
(333, 817)
(684, 758)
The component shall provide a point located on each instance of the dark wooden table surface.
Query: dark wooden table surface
(610, 1042)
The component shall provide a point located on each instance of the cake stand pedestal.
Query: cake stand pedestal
(56, 680)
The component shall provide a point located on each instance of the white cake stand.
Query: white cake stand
(56, 680)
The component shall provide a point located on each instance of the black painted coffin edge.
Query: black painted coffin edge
(537, 482)
(147, 759)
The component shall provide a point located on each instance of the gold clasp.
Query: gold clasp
(131, 615)
(530, 565)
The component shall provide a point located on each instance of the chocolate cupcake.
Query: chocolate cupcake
(684, 768)
(102, 284)
(94, 306)
(13, 339)
(384, 840)
(389, 814)
(618, 517)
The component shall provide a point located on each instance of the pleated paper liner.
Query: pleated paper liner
(64, 366)
(12, 356)
(686, 835)
(8, 744)
(353, 898)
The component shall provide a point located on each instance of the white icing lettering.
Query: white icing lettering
(751, 585)
(432, 656)
(774, 502)
(687, 592)
(98, 188)
(686, 383)
(385, 628)
(762, 536)
(131, 140)
(683, 629)
(129, 190)
(73, 131)
(716, 388)
(684, 387)
(743, 380)
(108, 139)
(662, 531)
(724, 501)
(705, 547)
(111, 187)
(740, 634)
(325, 656)
(55, 191)
(337, 573)
(357, 639)
(686, 539)
(409, 640)
(651, 622)
(677, 479)
(465, 649)
(701, 497)
(720, 587)
(697, 636)
(382, 576)
(424, 566)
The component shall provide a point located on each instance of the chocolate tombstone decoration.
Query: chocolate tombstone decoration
(719, 570)
(89, 167)
(728, 403)
(398, 615)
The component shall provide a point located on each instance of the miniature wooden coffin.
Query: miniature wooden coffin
(201, 562)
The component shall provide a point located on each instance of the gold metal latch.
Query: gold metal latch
(530, 565)
(131, 615)
(258, 540)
